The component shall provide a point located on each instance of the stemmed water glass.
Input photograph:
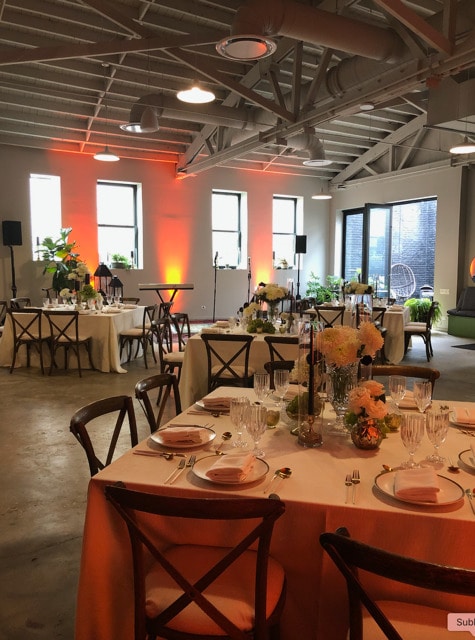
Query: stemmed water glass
(237, 407)
(422, 394)
(256, 425)
(281, 383)
(437, 426)
(397, 388)
(412, 432)
(261, 386)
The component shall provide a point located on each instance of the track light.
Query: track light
(196, 95)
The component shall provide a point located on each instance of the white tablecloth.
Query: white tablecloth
(315, 502)
(194, 374)
(104, 329)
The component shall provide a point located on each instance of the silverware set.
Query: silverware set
(179, 469)
(352, 480)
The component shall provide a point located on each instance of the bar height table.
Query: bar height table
(160, 288)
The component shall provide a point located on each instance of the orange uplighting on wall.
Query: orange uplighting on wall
(472, 269)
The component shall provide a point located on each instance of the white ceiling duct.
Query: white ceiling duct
(309, 142)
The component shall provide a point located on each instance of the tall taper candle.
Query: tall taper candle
(311, 376)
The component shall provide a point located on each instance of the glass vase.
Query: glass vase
(272, 312)
(340, 381)
(310, 431)
(366, 434)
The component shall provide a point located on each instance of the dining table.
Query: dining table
(316, 500)
(104, 327)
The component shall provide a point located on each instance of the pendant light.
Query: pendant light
(465, 147)
(196, 95)
(106, 155)
(323, 194)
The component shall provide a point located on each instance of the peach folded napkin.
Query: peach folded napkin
(222, 402)
(464, 415)
(421, 485)
(408, 401)
(182, 435)
(232, 468)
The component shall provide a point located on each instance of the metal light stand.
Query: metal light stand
(297, 295)
(248, 279)
(14, 288)
(215, 276)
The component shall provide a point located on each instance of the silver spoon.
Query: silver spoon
(453, 468)
(282, 474)
(227, 435)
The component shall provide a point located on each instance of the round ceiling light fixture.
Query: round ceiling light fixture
(246, 47)
(465, 147)
(196, 95)
(106, 155)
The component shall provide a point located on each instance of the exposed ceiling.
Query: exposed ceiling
(71, 71)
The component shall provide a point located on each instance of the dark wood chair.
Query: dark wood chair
(423, 330)
(271, 367)
(228, 359)
(409, 371)
(64, 334)
(3, 314)
(27, 332)
(330, 316)
(181, 322)
(164, 384)
(130, 300)
(140, 337)
(170, 361)
(395, 620)
(123, 407)
(19, 303)
(282, 347)
(193, 591)
(377, 316)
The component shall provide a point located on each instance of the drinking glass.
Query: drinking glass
(397, 388)
(237, 407)
(281, 383)
(437, 426)
(412, 432)
(422, 394)
(261, 385)
(91, 304)
(256, 424)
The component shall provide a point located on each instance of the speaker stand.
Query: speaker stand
(297, 297)
(12, 259)
(214, 291)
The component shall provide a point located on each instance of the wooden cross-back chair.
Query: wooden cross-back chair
(163, 384)
(330, 316)
(27, 332)
(197, 592)
(65, 334)
(282, 347)
(228, 359)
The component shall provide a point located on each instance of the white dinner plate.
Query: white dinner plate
(203, 465)
(209, 436)
(467, 458)
(111, 310)
(450, 492)
(464, 425)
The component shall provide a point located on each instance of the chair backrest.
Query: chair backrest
(228, 358)
(271, 367)
(430, 316)
(350, 556)
(26, 324)
(19, 303)
(279, 349)
(377, 315)
(164, 337)
(330, 316)
(164, 383)
(130, 300)
(409, 371)
(79, 426)
(64, 325)
(3, 311)
(260, 515)
(165, 309)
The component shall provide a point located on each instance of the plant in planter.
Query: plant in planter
(119, 261)
(419, 309)
(322, 293)
(61, 260)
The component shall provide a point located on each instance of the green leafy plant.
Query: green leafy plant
(60, 258)
(419, 309)
(323, 293)
(120, 258)
(260, 326)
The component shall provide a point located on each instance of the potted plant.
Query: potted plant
(61, 260)
(322, 293)
(119, 261)
(419, 309)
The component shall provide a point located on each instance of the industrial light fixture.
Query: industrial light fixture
(246, 47)
(106, 155)
(196, 95)
(367, 106)
(465, 147)
(148, 122)
(317, 155)
(323, 194)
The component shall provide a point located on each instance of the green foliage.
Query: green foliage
(60, 258)
(119, 257)
(419, 309)
(261, 326)
(323, 293)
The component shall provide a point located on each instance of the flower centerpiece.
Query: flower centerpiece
(367, 413)
(272, 294)
(343, 347)
(60, 259)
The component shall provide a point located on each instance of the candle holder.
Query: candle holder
(310, 425)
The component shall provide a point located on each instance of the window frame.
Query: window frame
(239, 232)
(297, 227)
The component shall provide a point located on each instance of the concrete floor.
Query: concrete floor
(45, 478)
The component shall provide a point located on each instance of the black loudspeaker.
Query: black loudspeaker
(300, 244)
(11, 232)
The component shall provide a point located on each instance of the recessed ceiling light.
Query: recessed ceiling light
(366, 106)
(246, 47)
(317, 162)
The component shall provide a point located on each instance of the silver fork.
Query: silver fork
(191, 461)
(348, 483)
(176, 472)
(355, 480)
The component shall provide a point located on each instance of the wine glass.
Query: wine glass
(437, 426)
(412, 431)
(261, 385)
(422, 394)
(256, 425)
(237, 407)
(397, 388)
(281, 383)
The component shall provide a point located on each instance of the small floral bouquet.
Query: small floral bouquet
(252, 308)
(271, 293)
(368, 401)
(67, 294)
(89, 293)
(343, 345)
(357, 288)
(79, 272)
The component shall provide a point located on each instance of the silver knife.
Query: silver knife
(469, 495)
(176, 472)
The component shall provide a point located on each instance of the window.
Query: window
(45, 209)
(286, 224)
(119, 221)
(378, 236)
(228, 221)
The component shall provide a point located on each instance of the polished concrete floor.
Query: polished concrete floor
(45, 478)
